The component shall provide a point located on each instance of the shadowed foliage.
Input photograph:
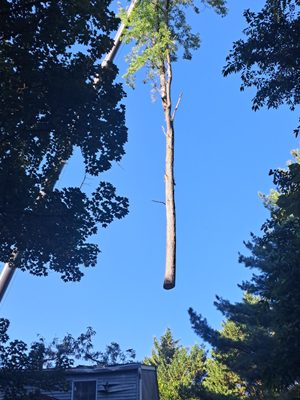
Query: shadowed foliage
(268, 58)
(50, 105)
(26, 370)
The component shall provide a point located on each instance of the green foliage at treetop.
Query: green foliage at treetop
(180, 370)
(287, 197)
(158, 27)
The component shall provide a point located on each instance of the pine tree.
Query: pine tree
(180, 370)
(267, 356)
(221, 382)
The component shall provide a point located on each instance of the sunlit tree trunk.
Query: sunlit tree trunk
(165, 92)
(159, 29)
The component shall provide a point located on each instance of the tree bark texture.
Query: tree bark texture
(165, 90)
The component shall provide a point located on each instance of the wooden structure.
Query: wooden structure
(133, 381)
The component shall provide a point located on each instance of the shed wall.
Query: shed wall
(121, 386)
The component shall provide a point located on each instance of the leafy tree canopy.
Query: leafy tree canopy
(160, 27)
(180, 370)
(50, 104)
(268, 58)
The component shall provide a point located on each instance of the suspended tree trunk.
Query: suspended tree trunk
(159, 29)
(117, 40)
(165, 92)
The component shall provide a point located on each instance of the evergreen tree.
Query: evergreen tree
(286, 200)
(267, 356)
(221, 382)
(180, 370)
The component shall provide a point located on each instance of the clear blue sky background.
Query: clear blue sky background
(223, 155)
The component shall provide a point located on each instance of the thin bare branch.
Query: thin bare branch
(177, 105)
(83, 181)
(157, 201)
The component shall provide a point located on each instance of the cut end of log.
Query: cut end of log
(169, 284)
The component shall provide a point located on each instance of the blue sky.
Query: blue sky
(222, 158)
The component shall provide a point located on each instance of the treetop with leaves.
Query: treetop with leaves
(159, 31)
(161, 26)
(180, 370)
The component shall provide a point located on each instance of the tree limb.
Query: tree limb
(177, 105)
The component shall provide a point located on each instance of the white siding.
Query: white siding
(121, 386)
(113, 383)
